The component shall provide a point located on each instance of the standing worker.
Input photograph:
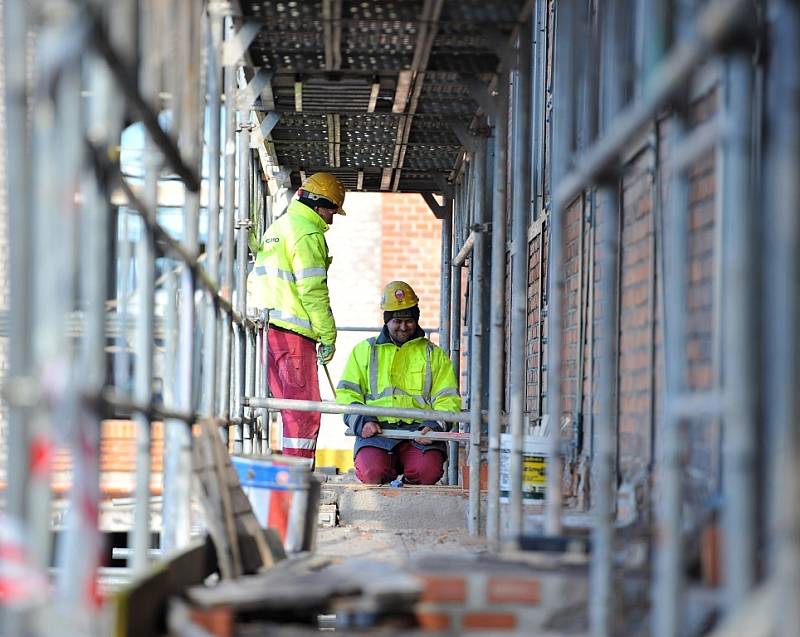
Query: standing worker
(398, 368)
(290, 279)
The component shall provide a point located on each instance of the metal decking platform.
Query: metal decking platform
(379, 93)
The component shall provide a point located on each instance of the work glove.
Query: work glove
(325, 353)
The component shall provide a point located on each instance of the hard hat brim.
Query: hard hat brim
(341, 211)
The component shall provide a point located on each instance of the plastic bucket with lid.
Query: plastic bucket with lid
(284, 495)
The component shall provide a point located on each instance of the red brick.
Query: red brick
(444, 589)
(217, 620)
(489, 621)
(433, 621)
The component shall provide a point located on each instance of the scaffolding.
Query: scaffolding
(543, 129)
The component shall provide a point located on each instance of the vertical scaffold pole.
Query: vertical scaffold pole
(476, 343)
(497, 312)
(521, 188)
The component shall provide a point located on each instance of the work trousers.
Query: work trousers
(378, 466)
(293, 374)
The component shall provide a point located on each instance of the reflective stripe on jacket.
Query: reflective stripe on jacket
(291, 274)
(379, 373)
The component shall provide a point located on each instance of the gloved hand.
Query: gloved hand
(325, 352)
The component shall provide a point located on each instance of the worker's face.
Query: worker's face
(327, 214)
(402, 329)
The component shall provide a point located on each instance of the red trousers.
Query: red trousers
(378, 466)
(293, 374)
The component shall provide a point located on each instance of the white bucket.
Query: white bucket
(534, 464)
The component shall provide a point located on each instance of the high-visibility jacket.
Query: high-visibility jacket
(380, 373)
(290, 276)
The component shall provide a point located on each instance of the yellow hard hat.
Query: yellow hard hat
(398, 295)
(327, 186)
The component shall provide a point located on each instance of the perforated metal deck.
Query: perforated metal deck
(374, 91)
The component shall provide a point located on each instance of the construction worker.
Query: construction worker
(290, 278)
(398, 368)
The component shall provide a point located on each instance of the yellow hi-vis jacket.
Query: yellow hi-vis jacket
(290, 276)
(416, 374)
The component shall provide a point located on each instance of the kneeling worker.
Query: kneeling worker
(398, 368)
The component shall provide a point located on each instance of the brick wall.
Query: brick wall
(636, 314)
(411, 250)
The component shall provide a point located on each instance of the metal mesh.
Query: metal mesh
(374, 40)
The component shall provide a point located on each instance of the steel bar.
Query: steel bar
(122, 358)
(242, 227)
(563, 123)
(716, 22)
(140, 534)
(783, 269)
(78, 548)
(21, 276)
(455, 326)
(604, 458)
(521, 193)
(447, 277)
(668, 583)
(53, 283)
(739, 358)
(455, 437)
(444, 310)
(497, 312)
(177, 438)
(538, 103)
(250, 387)
(602, 600)
(149, 115)
(466, 250)
(164, 239)
(323, 407)
(213, 36)
(265, 413)
(228, 238)
(476, 344)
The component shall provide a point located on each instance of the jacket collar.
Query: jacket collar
(384, 337)
(298, 208)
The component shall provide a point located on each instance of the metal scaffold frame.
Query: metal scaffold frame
(547, 134)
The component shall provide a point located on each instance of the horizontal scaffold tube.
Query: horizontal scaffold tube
(328, 407)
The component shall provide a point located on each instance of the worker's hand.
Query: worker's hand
(325, 353)
(424, 441)
(370, 429)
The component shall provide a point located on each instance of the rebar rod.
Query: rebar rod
(497, 311)
(740, 285)
(521, 190)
